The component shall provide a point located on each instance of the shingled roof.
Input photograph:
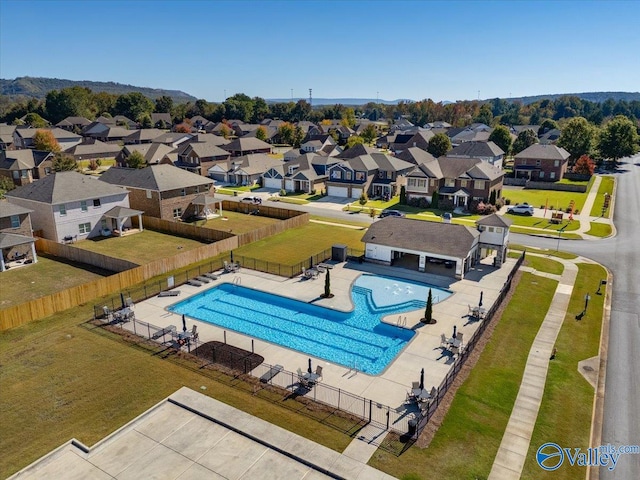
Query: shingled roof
(438, 238)
(161, 178)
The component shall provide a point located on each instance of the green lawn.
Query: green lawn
(140, 248)
(540, 264)
(48, 276)
(298, 244)
(565, 386)
(293, 200)
(540, 198)
(237, 223)
(606, 186)
(339, 221)
(543, 223)
(61, 380)
(599, 229)
(467, 442)
(550, 253)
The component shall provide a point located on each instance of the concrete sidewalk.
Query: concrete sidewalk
(514, 447)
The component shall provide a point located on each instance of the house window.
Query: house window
(15, 221)
(103, 224)
(478, 184)
(177, 212)
(449, 182)
(556, 163)
(183, 192)
(16, 174)
(96, 202)
(463, 183)
(381, 174)
(148, 193)
(83, 205)
(541, 174)
(498, 229)
(552, 175)
(490, 229)
(537, 163)
(47, 170)
(360, 176)
(335, 174)
(62, 209)
(347, 175)
(25, 173)
(84, 227)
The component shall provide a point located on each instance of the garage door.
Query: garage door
(273, 183)
(288, 185)
(218, 177)
(356, 192)
(334, 191)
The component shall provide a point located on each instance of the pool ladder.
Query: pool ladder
(237, 281)
(402, 321)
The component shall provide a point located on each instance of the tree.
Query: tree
(69, 102)
(64, 163)
(6, 185)
(403, 196)
(136, 160)
(363, 199)
(369, 134)
(348, 118)
(439, 145)
(285, 132)
(618, 139)
(261, 133)
(34, 120)
(225, 131)
(45, 140)
(577, 137)
(298, 136)
(547, 125)
(584, 165)
(164, 104)
(145, 120)
(354, 140)
(428, 311)
(492, 197)
(183, 128)
(133, 104)
(485, 115)
(502, 138)
(525, 139)
(327, 285)
(434, 199)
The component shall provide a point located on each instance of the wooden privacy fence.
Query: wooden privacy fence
(80, 255)
(181, 229)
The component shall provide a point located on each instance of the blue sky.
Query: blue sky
(390, 49)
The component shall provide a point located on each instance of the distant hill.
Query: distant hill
(598, 97)
(38, 87)
(341, 101)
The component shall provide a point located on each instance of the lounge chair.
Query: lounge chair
(194, 332)
(272, 372)
(194, 282)
(203, 279)
(211, 275)
(169, 293)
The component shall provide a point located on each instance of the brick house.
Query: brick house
(460, 180)
(162, 191)
(542, 163)
(16, 235)
(25, 166)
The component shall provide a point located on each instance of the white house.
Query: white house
(71, 205)
(494, 235)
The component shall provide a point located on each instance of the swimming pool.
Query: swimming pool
(352, 339)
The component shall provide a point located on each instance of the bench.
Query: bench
(163, 332)
(169, 293)
(273, 371)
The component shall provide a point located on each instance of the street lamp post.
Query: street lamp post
(586, 302)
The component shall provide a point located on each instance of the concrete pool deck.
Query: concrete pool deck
(391, 386)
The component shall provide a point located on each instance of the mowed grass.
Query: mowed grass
(339, 221)
(298, 244)
(543, 223)
(541, 264)
(550, 253)
(539, 198)
(599, 229)
(565, 414)
(140, 248)
(49, 275)
(466, 444)
(61, 380)
(237, 223)
(606, 186)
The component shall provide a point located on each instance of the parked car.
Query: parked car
(252, 200)
(391, 213)
(521, 209)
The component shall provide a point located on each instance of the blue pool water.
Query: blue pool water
(346, 338)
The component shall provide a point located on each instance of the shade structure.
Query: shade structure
(455, 328)
(422, 379)
(309, 369)
(184, 323)
(480, 303)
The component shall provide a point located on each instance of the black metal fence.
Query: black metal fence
(468, 348)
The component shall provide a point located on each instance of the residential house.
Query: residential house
(246, 146)
(550, 136)
(460, 180)
(486, 151)
(477, 132)
(144, 135)
(292, 154)
(307, 174)
(161, 191)
(91, 148)
(410, 244)
(415, 155)
(6, 136)
(377, 175)
(69, 205)
(244, 170)
(161, 120)
(108, 133)
(122, 121)
(25, 166)
(418, 139)
(494, 237)
(173, 139)
(73, 124)
(17, 244)
(153, 153)
(23, 137)
(356, 151)
(200, 157)
(541, 162)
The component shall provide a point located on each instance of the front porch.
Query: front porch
(16, 251)
(117, 222)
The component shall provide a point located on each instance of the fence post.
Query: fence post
(134, 328)
(387, 418)
(145, 291)
(225, 336)
(338, 399)
(252, 351)
(148, 328)
(370, 409)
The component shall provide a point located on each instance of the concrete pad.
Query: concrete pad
(68, 466)
(274, 466)
(233, 457)
(196, 437)
(160, 462)
(198, 472)
(163, 421)
(122, 451)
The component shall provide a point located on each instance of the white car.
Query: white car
(521, 209)
(252, 200)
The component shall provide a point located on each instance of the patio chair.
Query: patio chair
(319, 372)
(415, 385)
(301, 380)
(459, 337)
(194, 332)
(443, 340)
(108, 314)
(433, 393)
(129, 302)
(455, 351)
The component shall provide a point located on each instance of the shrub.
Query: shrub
(507, 201)
(93, 165)
(283, 192)
(99, 162)
(499, 203)
(445, 204)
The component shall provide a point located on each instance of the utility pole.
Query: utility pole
(310, 98)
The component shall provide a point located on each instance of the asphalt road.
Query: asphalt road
(621, 255)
